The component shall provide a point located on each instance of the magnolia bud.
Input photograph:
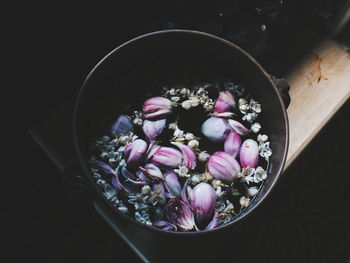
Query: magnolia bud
(223, 166)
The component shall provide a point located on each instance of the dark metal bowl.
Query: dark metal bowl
(121, 78)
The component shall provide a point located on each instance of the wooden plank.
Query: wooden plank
(320, 85)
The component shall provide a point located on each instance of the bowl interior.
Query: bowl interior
(139, 68)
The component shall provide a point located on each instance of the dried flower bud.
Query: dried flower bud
(224, 102)
(189, 157)
(122, 126)
(249, 153)
(203, 202)
(203, 156)
(172, 183)
(167, 156)
(215, 129)
(153, 128)
(223, 166)
(135, 152)
(238, 127)
(232, 143)
(152, 171)
(156, 107)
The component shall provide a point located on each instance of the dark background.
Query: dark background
(49, 49)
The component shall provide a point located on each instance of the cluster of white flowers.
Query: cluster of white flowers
(192, 98)
(264, 146)
(253, 175)
(127, 139)
(182, 137)
(250, 111)
(137, 118)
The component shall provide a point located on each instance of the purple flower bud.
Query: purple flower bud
(189, 157)
(180, 214)
(115, 174)
(172, 183)
(152, 171)
(156, 107)
(224, 102)
(238, 127)
(135, 152)
(165, 225)
(167, 156)
(214, 222)
(105, 167)
(232, 143)
(223, 166)
(215, 129)
(203, 202)
(122, 126)
(249, 153)
(153, 128)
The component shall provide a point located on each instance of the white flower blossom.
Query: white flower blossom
(175, 98)
(251, 116)
(124, 139)
(185, 92)
(178, 133)
(252, 191)
(256, 127)
(187, 104)
(208, 106)
(189, 136)
(262, 138)
(193, 143)
(172, 92)
(173, 126)
(203, 156)
(138, 121)
(182, 171)
(216, 183)
(244, 108)
(259, 175)
(244, 201)
(242, 101)
(255, 106)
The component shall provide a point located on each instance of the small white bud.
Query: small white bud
(256, 127)
(189, 136)
(244, 201)
(252, 191)
(187, 104)
(203, 156)
(193, 143)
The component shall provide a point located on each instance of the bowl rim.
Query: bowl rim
(85, 169)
